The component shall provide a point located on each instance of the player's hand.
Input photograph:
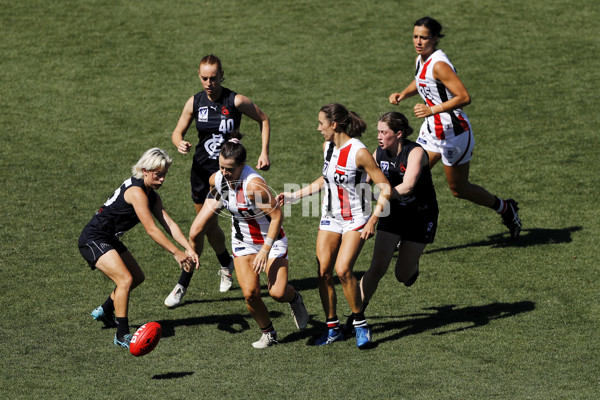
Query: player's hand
(285, 198)
(395, 98)
(259, 264)
(422, 110)
(368, 230)
(264, 164)
(194, 260)
(184, 147)
(183, 260)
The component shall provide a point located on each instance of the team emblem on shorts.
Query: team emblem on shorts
(203, 114)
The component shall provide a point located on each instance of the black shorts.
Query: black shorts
(414, 224)
(92, 245)
(199, 180)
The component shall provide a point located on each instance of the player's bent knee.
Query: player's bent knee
(277, 294)
(252, 297)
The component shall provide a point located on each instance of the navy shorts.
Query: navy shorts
(199, 180)
(92, 246)
(416, 225)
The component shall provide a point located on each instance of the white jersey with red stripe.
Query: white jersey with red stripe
(445, 124)
(344, 197)
(249, 224)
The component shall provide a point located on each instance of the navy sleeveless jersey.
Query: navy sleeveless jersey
(116, 216)
(394, 166)
(214, 119)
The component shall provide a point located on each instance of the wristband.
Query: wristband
(261, 249)
(269, 241)
(431, 109)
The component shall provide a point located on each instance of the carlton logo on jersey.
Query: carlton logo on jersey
(203, 114)
(213, 146)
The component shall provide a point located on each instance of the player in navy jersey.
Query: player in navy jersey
(346, 221)
(133, 202)
(216, 111)
(446, 132)
(258, 241)
(412, 220)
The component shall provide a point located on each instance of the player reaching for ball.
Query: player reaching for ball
(133, 202)
(345, 221)
(446, 132)
(216, 111)
(258, 241)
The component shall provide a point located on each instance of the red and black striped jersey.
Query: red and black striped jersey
(345, 197)
(434, 92)
(249, 224)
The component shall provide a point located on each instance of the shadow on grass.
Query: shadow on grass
(442, 318)
(231, 323)
(311, 283)
(172, 375)
(528, 237)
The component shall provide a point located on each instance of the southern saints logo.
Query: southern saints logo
(213, 146)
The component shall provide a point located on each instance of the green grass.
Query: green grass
(87, 86)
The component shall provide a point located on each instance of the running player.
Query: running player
(216, 111)
(258, 241)
(412, 220)
(133, 202)
(346, 221)
(446, 132)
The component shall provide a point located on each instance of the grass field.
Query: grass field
(87, 86)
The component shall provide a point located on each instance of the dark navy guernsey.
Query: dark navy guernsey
(117, 216)
(394, 166)
(214, 119)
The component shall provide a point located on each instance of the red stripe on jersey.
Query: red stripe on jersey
(424, 70)
(253, 226)
(343, 159)
(342, 193)
(345, 203)
(437, 119)
(463, 123)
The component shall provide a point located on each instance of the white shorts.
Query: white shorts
(278, 250)
(456, 150)
(342, 226)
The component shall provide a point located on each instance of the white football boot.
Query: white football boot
(175, 297)
(226, 277)
(266, 340)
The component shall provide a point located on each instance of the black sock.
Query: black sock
(186, 277)
(359, 319)
(499, 205)
(122, 327)
(268, 328)
(224, 259)
(108, 307)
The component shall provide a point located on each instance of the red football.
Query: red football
(145, 339)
